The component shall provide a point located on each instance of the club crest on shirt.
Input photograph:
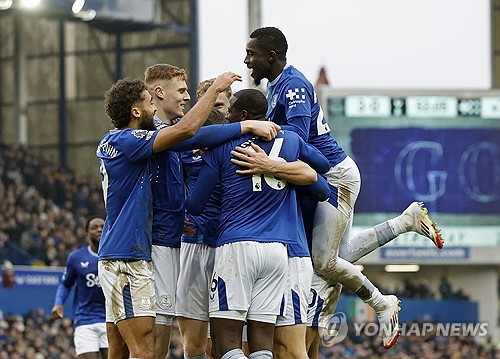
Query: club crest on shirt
(295, 96)
(84, 264)
(274, 100)
(143, 133)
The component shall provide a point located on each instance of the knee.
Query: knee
(325, 266)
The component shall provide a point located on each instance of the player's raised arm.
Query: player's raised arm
(195, 118)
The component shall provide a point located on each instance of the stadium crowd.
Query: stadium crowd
(42, 208)
(36, 336)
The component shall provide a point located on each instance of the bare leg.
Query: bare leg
(194, 335)
(139, 334)
(289, 341)
(117, 347)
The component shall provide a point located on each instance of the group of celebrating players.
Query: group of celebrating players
(236, 214)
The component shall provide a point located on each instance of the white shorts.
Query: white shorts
(317, 315)
(333, 218)
(128, 288)
(90, 338)
(166, 267)
(249, 281)
(197, 264)
(300, 272)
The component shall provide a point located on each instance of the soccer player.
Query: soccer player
(168, 88)
(222, 102)
(290, 331)
(125, 268)
(197, 258)
(259, 214)
(293, 104)
(89, 312)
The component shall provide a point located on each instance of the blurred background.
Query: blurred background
(410, 90)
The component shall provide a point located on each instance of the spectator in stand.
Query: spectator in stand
(8, 275)
(41, 223)
(445, 289)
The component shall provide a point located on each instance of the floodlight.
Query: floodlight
(77, 6)
(5, 4)
(402, 268)
(30, 4)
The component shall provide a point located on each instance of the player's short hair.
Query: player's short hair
(271, 39)
(90, 219)
(215, 117)
(120, 98)
(159, 73)
(251, 100)
(205, 84)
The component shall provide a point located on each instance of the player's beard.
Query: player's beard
(146, 121)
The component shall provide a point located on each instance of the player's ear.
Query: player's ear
(272, 55)
(245, 115)
(159, 92)
(135, 112)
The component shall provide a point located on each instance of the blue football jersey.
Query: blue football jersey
(88, 301)
(167, 181)
(167, 185)
(292, 102)
(125, 172)
(254, 207)
(206, 223)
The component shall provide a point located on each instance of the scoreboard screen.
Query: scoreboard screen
(442, 148)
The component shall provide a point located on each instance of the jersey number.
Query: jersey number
(273, 182)
(321, 124)
(105, 180)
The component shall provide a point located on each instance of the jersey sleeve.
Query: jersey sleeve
(137, 145)
(299, 125)
(210, 136)
(320, 191)
(205, 184)
(313, 157)
(68, 280)
(298, 102)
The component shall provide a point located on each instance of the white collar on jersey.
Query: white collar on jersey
(279, 76)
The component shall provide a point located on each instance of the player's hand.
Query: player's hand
(57, 311)
(253, 158)
(267, 130)
(188, 229)
(200, 151)
(223, 81)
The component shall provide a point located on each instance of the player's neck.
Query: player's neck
(276, 71)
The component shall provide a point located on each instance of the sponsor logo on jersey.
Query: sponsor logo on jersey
(296, 96)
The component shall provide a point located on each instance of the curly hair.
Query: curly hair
(120, 98)
(271, 39)
(156, 74)
(204, 85)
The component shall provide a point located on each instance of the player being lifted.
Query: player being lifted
(293, 104)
